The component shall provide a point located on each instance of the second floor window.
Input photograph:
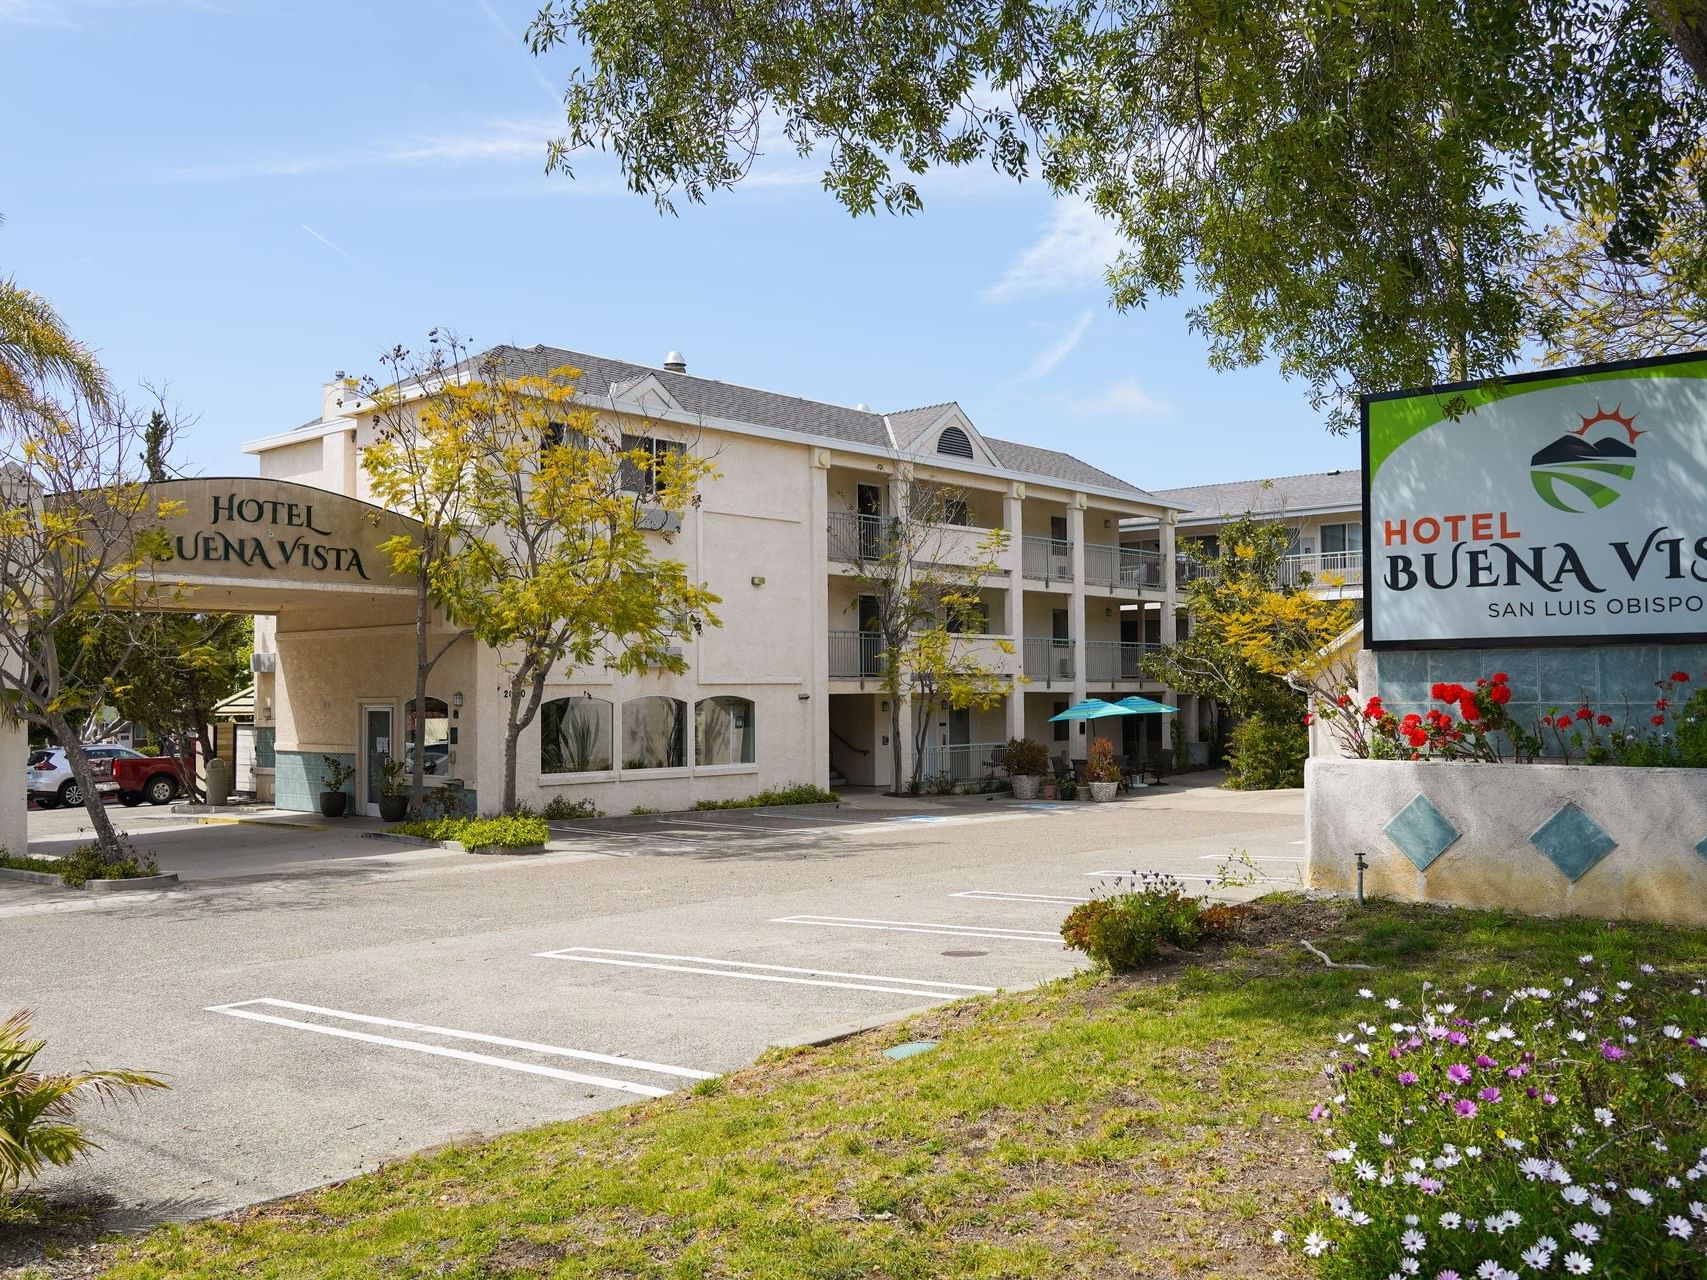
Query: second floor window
(642, 477)
(1337, 538)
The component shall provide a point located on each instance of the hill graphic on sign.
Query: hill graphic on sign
(1573, 474)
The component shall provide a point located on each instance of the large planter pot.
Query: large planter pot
(1049, 791)
(1026, 786)
(1102, 792)
(1549, 839)
(333, 804)
(394, 808)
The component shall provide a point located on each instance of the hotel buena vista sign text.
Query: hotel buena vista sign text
(270, 531)
(1565, 507)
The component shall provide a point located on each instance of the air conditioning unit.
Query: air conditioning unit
(263, 663)
(1064, 665)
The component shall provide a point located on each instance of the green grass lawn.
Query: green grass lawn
(1147, 1126)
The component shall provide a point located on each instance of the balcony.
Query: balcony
(1047, 559)
(1127, 567)
(860, 655)
(855, 537)
(1048, 662)
(964, 761)
(1343, 566)
(1114, 661)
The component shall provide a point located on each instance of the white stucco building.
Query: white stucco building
(786, 690)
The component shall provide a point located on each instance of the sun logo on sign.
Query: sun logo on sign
(1576, 474)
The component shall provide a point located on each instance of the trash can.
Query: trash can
(218, 781)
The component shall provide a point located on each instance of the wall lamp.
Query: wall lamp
(456, 701)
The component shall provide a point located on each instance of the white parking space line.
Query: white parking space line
(923, 926)
(642, 836)
(992, 895)
(754, 972)
(1254, 857)
(246, 1009)
(733, 827)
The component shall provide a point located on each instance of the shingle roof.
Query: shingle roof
(1320, 490)
(603, 376)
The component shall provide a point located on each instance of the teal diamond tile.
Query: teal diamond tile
(1572, 841)
(1701, 848)
(1421, 832)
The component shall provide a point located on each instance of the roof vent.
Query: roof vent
(954, 442)
(863, 407)
(674, 363)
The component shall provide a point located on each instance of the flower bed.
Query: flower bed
(511, 832)
(1552, 1129)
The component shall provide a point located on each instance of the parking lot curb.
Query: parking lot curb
(31, 877)
(845, 1030)
(134, 882)
(229, 820)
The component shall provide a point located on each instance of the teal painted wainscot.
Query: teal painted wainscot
(300, 776)
(1550, 839)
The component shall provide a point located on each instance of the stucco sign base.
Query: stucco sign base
(1548, 839)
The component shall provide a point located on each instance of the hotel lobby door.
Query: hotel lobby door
(376, 750)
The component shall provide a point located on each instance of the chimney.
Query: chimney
(674, 363)
(339, 397)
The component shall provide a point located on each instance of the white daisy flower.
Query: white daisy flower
(1641, 1197)
(1671, 1031)
(1676, 1078)
(1359, 1218)
(1537, 1257)
(1315, 1244)
(1279, 1236)
(1574, 1195)
(1450, 1221)
(1366, 993)
(1366, 1171)
(1679, 1227)
(1585, 1233)
(1385, 1139)
(1602, 1207)
(1578, 1264)
(1413, 1241)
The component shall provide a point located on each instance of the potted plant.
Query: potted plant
(334, 800)
(1067, 787)
(1050, 789)
(393, 791)
(1027, 762)
(1102, 770)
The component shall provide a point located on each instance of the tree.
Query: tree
(417, 466)
(39, 359)
(1351, 185)
(80, 535)
(923, 572)
(558, 560)
(1256, 632)
(1600, 308)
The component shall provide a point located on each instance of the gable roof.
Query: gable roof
(602, 376)
(1317, 491)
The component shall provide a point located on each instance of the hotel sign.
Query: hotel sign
(1567, 507)
(272, 532)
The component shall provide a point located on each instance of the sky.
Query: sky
(234, 199)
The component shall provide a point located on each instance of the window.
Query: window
(561, 433)
(954, 442)
(641, 477)
(972, 621)
(1060, 726)
(955, 511)
(723, 731)
(652, 733)
(574, 735)
(1337, 538)
(433, 729)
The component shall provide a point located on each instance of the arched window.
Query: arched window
(432, 729)
(575, 735)
(652, 733)
(954, 442)
(723, 731)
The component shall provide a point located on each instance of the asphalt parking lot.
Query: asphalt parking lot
(321, 1006)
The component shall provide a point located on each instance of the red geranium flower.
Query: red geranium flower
(1547, 720)
(1680, 677)
(1469, 710)
(1660, 704)
(1500, 693)
(1585, 714)
(1309, 718)
(1500, 677)
(1603, 721)
(1656, 719)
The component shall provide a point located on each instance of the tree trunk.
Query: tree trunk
(106, 836)
(423, 667)
(895, 784)
(921, 731)
(1685, 21)
(532, 676)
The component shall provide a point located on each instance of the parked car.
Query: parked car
(156, 779)
(48, 780)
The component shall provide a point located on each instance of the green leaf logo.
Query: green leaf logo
(1575, 474)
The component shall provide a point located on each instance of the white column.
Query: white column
(1078, 742)
(905, 729)
(14, 805)
(1013, 621)
(815, 680)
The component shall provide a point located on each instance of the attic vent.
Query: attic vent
(953, 442)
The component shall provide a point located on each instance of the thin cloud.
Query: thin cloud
(1120, 398)
(501, 140)
(1045, 361)
(513, 36)
(335, 248)
(1072, 251)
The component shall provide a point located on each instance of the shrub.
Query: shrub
(1554, 1129)
(511, 831)
(1100, 764)
(84, 864)
(1027, 758)
(1125, 930)
(1692, 731)
(1265, 755)
(562, 809)
(36, 1109)
(799, 793)
(642, 811)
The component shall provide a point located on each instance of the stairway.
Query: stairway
(838, 779)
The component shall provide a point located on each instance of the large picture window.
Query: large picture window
(575, 735)
(652, 733)
(723, 731)
(433, 729)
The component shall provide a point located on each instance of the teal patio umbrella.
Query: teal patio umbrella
(1145, 706)
(1093, 709)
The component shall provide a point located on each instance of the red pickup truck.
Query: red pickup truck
(156, 779)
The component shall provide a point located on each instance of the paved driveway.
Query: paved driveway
(320, 1007)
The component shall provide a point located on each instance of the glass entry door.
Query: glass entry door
(376, 750)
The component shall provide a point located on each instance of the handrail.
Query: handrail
(864, 751)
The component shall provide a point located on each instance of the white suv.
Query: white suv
(48, 780)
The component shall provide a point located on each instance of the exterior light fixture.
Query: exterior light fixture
(758, 581)
(456, 701)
